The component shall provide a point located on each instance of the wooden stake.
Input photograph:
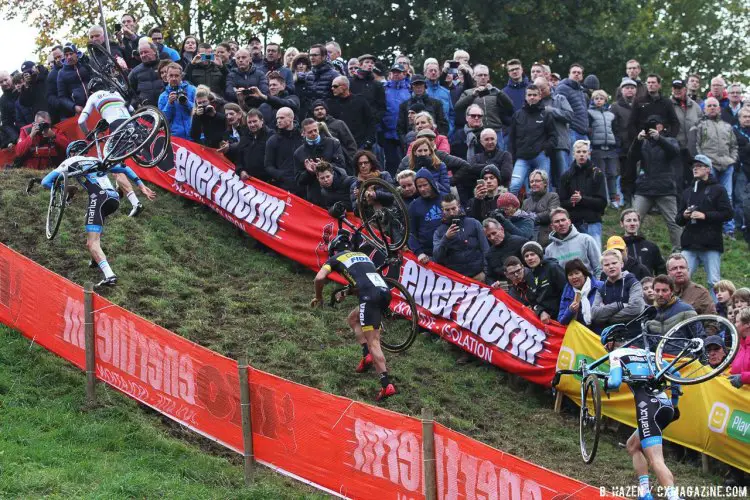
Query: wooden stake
(247, 422)
(706, 465)
(88, 316)
(558, 401)
(428, 455)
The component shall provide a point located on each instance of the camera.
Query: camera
(43, 126)
(453, 64)
(118, 27)
(247, 92)
(207, 57)
(182, 97)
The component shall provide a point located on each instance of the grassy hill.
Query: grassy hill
(185, 268)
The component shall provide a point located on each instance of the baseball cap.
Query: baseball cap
(398, 67)
(704, 160)
(678, 84)
(627, 81)
(418, 79)
(556, 76)
(27, 66)
(616, 242)
(70, 47)
(254, 38)
(714, 340)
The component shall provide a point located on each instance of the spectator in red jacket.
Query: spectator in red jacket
(40, 145)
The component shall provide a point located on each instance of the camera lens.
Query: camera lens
(182, 98)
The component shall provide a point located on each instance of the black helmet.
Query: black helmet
(341, 242)
(615, 333)
(95, 84)
(75, 148)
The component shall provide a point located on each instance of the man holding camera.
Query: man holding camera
(177, 101)
(661, 164)
(206, 69)
(40, 145)
(245, 81)
(33, 94)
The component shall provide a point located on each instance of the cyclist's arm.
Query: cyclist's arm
(87, 109)
(118, 169)
(49, 179)
(615, 373)
(320, 281)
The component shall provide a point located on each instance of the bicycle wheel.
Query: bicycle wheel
(105, 66)
(56, 206)
(385, 219)
(154, 151)
(400, 321)
(590, 417)
(132, 135)
(685, 343)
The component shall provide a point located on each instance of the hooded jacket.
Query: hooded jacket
(688, 114)
(661, 164)
(465, 252)
(714, 138)
(439, 175)
(497, 106)
(279, 159)
(565, 315)
(178, 115)
(711, 198)
(340, 189)
(589, 181)
(237, 78)
(574, 245)
(576, 97)
(327, 149)
(558, 107)
(516, 92)
(395, 94)
(71, 85)
(618, 302)
(425, 216)
(645, 252)
(519, 224)
(252, 154)
(146, 83)
(532, 132)
(541, 204)
(547, 281)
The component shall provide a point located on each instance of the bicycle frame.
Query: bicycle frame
(389, 257)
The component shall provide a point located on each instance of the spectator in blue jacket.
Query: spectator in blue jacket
(177, 102)
(460, 243)
(72, 80)
(396, 92)
(517, 83)
(157, 37)
(578, 295)
(437, 91)
(425, 216)
(574, 92)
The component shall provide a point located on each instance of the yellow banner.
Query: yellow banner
(714, 416)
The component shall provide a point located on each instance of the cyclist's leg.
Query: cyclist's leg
(640, 463)
(353, 320)
(373, 343)
(100, 205)
(655, 456)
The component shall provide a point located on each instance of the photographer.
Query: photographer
(206, 69)
(459, 243)
(177, 101)
(208, 123)
(41, 146)
(278, 97)
(245, 81)
(234, 130)
(33, 94)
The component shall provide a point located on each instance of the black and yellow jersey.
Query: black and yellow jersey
(358, 270)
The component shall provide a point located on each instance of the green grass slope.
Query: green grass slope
(187, 269)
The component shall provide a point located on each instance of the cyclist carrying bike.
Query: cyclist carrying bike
(114, 110)
(374, 296)
(654, 409)
(103, 199)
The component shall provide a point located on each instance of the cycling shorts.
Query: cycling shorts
(101, 204)
(371, 305)
(653, 414)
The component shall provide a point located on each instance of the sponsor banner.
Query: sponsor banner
(340, 446)
(714, 416)
(485, 322)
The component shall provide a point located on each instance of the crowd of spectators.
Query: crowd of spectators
(505, 183)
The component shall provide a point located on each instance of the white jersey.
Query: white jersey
(110, 105)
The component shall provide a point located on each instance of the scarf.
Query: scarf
(585, 304)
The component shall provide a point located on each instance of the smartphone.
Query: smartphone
(118, 27)
(480, 182)
(453, 64)
(207, 57)
(456, 221)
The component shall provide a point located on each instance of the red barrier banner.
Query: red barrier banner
(482, 321)
(340, 446)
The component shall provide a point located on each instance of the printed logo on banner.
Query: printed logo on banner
(10, 288)
(566, 359)
(739, 427)
(241, 201)
(474, 308)
(718, 417)
(321, 251)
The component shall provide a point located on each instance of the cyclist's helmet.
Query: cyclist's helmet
(615, 333)
(341, 242)
(75, 148)
(95, 84)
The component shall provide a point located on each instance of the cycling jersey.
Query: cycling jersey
(110, 105)
(361, 273)
(653, 410)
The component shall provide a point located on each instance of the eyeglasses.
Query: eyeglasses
(316, 55)
(712, 105)
(335, 86)
(476, 116)
(514, 273)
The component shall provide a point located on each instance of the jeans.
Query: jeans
(725, 179)
(560, 164)
(575, 136)
(667, 206)
(393, 155)
(523, 168)
(593, 229)
(740, 183)
(711, 260)
(609, 163)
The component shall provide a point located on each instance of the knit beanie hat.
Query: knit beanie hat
(532, 246)
(507, 200)
(319, 102)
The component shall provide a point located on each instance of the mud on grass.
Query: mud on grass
(186, 268)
